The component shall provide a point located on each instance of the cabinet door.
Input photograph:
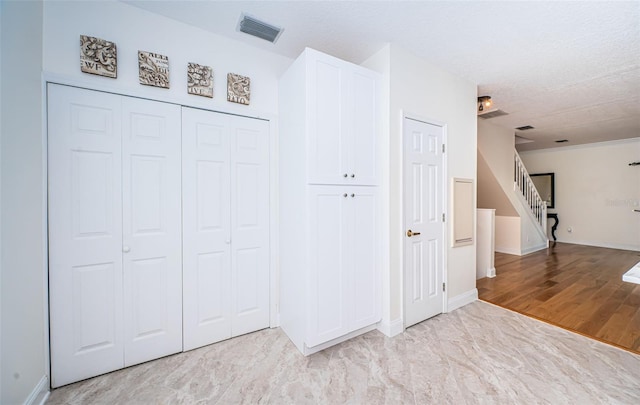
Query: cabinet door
(327, 149)
(364, 127)
(206, 228)
(364, 250)
(85, 233)
(328, 285)
(152, 219)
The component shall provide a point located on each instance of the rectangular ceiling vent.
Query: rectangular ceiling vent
(253, 26)
(524, 128)
(492, 114)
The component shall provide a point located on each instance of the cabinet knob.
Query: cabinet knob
(353, 195)
(345, 195)
(126, 249)
(353, 175)
(345, 175)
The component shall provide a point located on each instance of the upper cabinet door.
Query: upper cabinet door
(327, 147)
(342, 122)
(364, 130)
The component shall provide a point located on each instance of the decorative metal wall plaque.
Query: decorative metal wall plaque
(98, 57)
(238, 88)
(153, 69)
(199, 80)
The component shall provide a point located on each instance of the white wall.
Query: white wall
(417, 87)
(134, 29)
(595, 191)
(23, 295)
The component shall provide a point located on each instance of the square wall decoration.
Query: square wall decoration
(200, 80)
(238, 89)
(98, 57)
(153, 69)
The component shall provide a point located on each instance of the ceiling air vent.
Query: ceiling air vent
(253, 26)
(524, 128)
(492, 114)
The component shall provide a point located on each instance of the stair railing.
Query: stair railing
(523, 183)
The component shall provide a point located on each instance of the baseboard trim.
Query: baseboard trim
(491, 273)
(40, 393)
(534, 249)
(391, 329)
(507, 251)
(462, 299)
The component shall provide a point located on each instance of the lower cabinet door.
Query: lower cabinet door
(364, 248)
(329, 279)
(344, 263)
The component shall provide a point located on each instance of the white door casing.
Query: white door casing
(423, 197)
(225, 226)
(85, 234)
(152, 256)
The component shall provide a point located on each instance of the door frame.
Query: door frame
(445, 207)
(87, 84)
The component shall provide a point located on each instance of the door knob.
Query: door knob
(126, 249)
(410, 233)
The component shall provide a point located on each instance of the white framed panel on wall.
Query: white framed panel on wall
(463, 202)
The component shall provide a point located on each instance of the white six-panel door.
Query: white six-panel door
(225, 226)
(85, 234)
(114, 232)
(151, 247)
(423, 196)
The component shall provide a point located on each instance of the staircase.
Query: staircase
(525, 189)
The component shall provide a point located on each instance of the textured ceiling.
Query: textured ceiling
(569, 69)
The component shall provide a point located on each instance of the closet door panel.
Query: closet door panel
(206, 228)
(249, 224)
(85, 233)
(152, 255)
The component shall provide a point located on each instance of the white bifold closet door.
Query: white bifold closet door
(225, 175)
(115, 275)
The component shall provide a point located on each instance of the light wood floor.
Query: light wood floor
(576, 287)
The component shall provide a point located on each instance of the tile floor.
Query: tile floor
(478, 354)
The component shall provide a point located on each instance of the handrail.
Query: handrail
(523, 182)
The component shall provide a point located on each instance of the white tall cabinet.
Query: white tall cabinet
(115, 265)
(330, 245)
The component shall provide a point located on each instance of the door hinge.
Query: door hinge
(443, 148)
(443, 217)
(444, 286)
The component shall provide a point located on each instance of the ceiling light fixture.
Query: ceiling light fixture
(484, 102)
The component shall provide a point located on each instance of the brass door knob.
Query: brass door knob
(410, 233)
